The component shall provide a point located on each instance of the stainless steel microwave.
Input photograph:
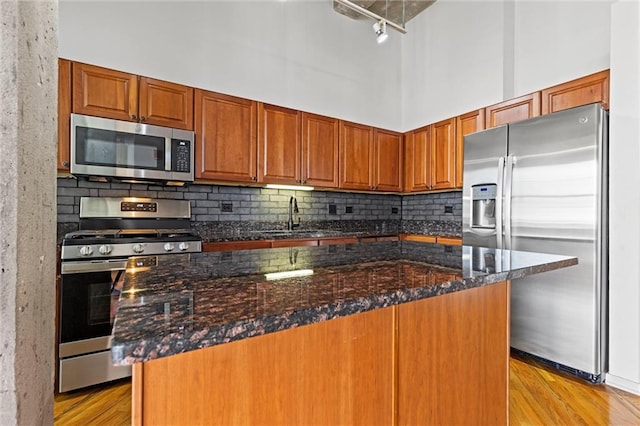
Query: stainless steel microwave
(130, 151)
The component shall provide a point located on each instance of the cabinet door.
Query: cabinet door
(319, 150)
(225, 137)
(387, 161)
(356, 156)
(104, 93)
(452, 241)
(582, 91)
(513, 110)
(166, 104)
(462, 342)
(64, 114)
(278, 145)
(443, 139)
(417, 160)
(466, 124)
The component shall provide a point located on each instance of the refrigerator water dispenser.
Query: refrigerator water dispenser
(483, 206)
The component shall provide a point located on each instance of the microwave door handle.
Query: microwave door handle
(168, 153)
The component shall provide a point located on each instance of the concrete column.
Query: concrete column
(28, 137)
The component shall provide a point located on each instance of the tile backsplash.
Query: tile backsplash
(211, 205)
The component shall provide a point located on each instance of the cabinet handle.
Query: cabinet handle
(253, 178)
(65, 163)
(143, 118)
(134, 117)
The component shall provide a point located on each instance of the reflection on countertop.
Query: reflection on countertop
(231, 298)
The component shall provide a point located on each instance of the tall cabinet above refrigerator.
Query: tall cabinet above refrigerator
(541, 185)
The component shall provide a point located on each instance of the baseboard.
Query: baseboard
(623, 384)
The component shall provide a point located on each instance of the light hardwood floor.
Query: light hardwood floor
(538, 396)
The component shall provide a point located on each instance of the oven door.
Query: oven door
(89, 293)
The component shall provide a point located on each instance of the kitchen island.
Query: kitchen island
(378, 333)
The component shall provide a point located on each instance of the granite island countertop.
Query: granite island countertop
(178, 303)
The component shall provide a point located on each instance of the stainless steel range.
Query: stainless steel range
(93, 260)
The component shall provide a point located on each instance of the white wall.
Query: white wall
(452, 59)
(624, 215)
(463, 55)
(559, 41)
(299, 54)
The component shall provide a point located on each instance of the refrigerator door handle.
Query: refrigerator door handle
(511, 161)
(499, 192)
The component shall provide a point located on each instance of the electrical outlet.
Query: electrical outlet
(333, 209)
(348, 209)
(227, 207)
(394, 210)
(448, 209)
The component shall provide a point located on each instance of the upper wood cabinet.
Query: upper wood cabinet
(356, 156)
(466, 124)
(443, 143)
(114, 94)
(513, 110)
(417, 160)
(320, 136)
(64, 115)
(387, 156)
(279, 132)
(226, 143)
(582, 91)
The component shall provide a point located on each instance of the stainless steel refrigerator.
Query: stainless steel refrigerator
(541, 185)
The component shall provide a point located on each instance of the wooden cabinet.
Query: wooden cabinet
(320, 136)
(278, 145)
(297, 242)
(356, 156)
(582, 91)
(419, 238)
(443, 144)
(434, 239)
(370, 159)
(329, 373)
(443, 360)
(387, 164)
(114, 94)
(64, 115)
(516, 109)
(417, 160)
(226, 144)
(430, 155)
(466, 124)
(236, 245)
(336, 241)
(451, 241)
(461, 340)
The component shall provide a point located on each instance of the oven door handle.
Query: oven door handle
(93, 266)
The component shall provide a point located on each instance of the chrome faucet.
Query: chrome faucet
(293, 208)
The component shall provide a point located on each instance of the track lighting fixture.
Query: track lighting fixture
(380, 28)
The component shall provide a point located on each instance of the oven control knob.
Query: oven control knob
(183, 246)
(105, 249)
(137, 248)
(86, 250)
(169, 247)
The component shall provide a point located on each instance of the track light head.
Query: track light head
(380, 28)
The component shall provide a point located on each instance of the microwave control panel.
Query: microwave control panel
(180, 155)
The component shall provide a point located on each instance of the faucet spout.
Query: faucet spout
(293, 208)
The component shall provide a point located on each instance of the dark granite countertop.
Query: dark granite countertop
(179, 303)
